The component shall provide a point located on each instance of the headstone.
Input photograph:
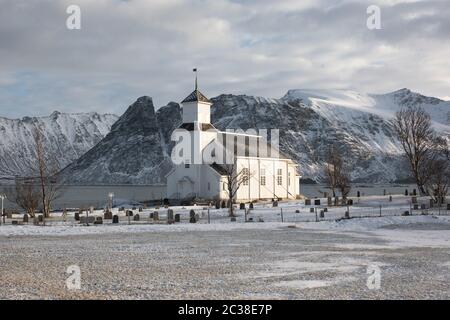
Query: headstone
(414, 192)
(223, 204)
(406, 192)
(122, 209)
(416, 207)
(390, 198)
(325, 209)
(177, 217)
(347, 215)
(115, 219)
(317, 202)
(133, 208)
(108, 215)
(414, 199)
(140, 209)
(98, 220)
(136, 217)
(297, 211)
(405, 213)
(170, 217)
(251, 205)
(358, 194)
(166, 201)
(350, 202)
(250, 220)
(40, 218)
(192, 216)
(77, 216)
(87, 220)
(329, 201)
(448, 206)
(322, 214)
(155, 216)
(15, 223)
(311, 210)
(275, 203)
(242, 206)
(217, 204)
(129, 213)
(233, 219)
(25, 218)
(307, 202)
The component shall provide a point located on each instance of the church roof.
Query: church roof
(196, 96)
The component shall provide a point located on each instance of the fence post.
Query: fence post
(282, 219)
(315, 209)
(209, 219)
(380, 210)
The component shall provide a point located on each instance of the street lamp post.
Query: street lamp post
(111, 196)
(3, 197)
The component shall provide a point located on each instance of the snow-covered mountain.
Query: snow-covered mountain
(137, 150)
(67, 136)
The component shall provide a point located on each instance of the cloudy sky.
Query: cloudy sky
(126, 49)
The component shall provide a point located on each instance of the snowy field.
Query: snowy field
(298, 258)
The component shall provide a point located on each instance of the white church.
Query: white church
(212, 156)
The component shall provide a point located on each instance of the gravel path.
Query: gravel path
(278, 263)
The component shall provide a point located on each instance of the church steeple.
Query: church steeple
(196, 106)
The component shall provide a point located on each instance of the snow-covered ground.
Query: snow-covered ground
(329, 259)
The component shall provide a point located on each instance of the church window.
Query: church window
(245, 176)
(280, 177)
(262, 177)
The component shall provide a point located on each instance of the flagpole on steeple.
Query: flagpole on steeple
(196, 84)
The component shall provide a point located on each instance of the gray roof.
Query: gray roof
(196, 96)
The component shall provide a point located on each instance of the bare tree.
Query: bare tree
(418, 139)
(26, 195)
(438, 178)
(47, 171)
(234, 179)
(337, 173)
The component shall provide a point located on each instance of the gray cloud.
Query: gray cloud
(130, 48)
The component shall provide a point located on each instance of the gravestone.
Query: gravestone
(87, 220)
(414, 199)
(217, 204)
(311, 210)
(406, 192)
(40, 218)
(350, 202)
(192, 216)
(275, 203)
(251, 205)
(129, 213)
(325, 209)
(358, 194)
(133, 208)
(115, 219)
(155, 216)
(414, 192)
(108, 215)
(347, 215)
(77, 216)
(223, 204)
(329, 201)
(122, 209)
(170, 217)
(15, 223)
(242, 206)
(416, 207)
(297, 211)
(136, 217)
(233, 219)
(25, 218)
(317, 202)
(448, 206)
(140, 209)
(307, 202)
(98, 220)
(390, 198)
(405, 213)
(322, 214)
(177, 217)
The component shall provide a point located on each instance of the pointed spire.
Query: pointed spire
(196, 84)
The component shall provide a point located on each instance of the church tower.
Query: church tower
(196, 107)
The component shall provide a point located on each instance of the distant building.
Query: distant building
(267, 173)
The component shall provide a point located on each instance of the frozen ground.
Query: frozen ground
(270, 260)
